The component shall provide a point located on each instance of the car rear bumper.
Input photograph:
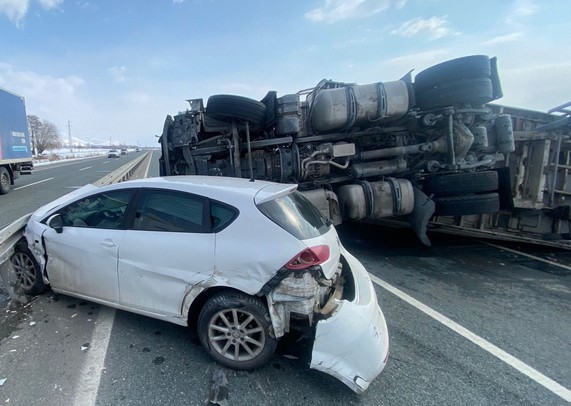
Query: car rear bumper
(353, 343)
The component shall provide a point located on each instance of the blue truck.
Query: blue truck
(15, 151)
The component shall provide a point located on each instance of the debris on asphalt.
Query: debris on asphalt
(32, 323)
(218, 389)
(2, 381)
(84, 347)
(13, 337)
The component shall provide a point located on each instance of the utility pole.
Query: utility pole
(69, 135)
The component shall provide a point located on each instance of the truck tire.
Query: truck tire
(5, 181)
(461, 183)
(471, 91)
(468, 204)
(468, 67)
(227, 107)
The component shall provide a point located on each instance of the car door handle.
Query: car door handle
(108, 243)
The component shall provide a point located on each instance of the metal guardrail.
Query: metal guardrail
(12, 233)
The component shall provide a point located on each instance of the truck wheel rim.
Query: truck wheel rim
(24, 269)
(236, 334)
(4, 180)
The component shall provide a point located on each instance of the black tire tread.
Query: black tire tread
(461, 183)
(471, 91)
(220, 301)
(467, 204)
(227, 107)
(467, 67)
(4, 173)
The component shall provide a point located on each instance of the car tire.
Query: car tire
(461, 183)
(227, 339)
(468, 67)
(475, 92)
(27, 270)
(227, 107)
(5, 181)
(466, 205)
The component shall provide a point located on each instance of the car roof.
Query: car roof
(215, 186)
(234, 191)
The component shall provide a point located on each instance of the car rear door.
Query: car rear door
(168, 249)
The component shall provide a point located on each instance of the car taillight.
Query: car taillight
(309, 257)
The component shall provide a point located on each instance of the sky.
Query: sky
(114, 69)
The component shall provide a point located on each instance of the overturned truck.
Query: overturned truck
(429, 152)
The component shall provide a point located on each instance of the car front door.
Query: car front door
(168, 249)
(82, 255)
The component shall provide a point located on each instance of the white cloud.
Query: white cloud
(502, 39)
(50, 4)
(118, 73)
(53, 98)
(524, 8)
(434, 27)
(521, 10)
(177, 1)
(338, 10)
(15, 10)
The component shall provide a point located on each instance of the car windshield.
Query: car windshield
(297, 215)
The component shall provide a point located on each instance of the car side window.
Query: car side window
(221, 215)
(105, 210)
(161, 210)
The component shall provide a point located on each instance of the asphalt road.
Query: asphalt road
(48, 182)
(59, 350)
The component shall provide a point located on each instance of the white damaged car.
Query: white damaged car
(245, 262)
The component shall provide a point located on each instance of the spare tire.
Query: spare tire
(475, 92)
(227, 107)
(461, 183)
(468, 67)
(466, 205)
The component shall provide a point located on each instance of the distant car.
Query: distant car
(245, 262)
(113, 153)
(123, 151)
(138, 150)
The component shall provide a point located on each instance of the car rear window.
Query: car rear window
(297, 215)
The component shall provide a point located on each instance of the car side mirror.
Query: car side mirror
(56, 222)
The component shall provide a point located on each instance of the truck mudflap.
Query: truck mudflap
(352, 344)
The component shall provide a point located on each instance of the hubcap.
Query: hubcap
(24, 269)
(236, 334)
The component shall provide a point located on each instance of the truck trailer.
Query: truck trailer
(15, 151)
(431, 153)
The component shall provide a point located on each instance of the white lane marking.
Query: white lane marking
(557, 264)
(512, 361)
(148, 167)
(72, 187)
(82, 169)
(105, 162)
(92, 368)
(32, 184)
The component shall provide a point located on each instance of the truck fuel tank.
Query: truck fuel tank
(359, 106)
